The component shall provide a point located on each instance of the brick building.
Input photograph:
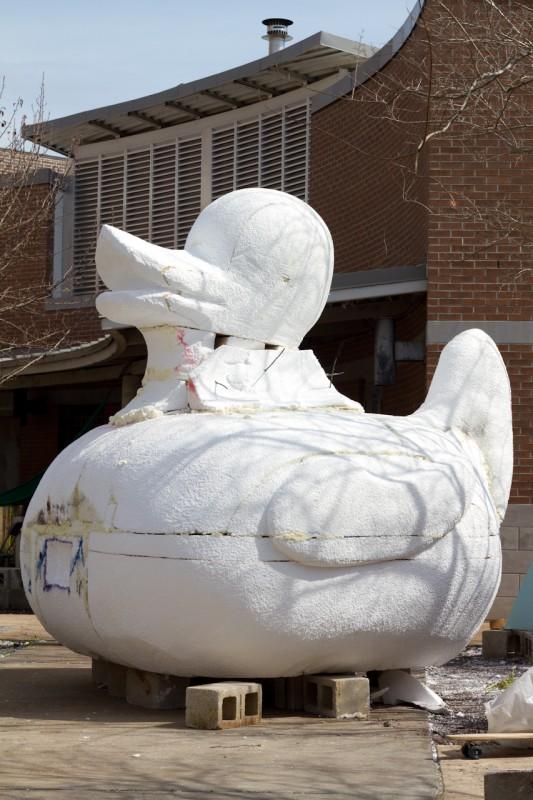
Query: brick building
(424, 178)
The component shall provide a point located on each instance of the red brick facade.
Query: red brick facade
(26, 251)
(456, 216)
(358, 185)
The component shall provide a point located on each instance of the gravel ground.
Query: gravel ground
(7, 647)
(465, 684)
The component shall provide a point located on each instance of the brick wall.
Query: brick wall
(517, 555)
(360, 176)
(26, 253)
(479, 265)
(479, 261)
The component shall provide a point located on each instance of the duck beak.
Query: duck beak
(151, 285)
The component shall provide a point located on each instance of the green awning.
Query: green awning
(20, 494)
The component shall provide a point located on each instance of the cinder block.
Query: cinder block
(289, 693)
(500, 643)
(509, 538)
(339, 696)
(518, 514)
(116, 679)
(4, 588)
(526, 645)
(18, 600)
(509, 785)
(501, 607)
(99, 672)
(516, 561)
(152, 690)
(12, 595)
(217, 706)
(509, 585)
(15, 581)
(526, 539)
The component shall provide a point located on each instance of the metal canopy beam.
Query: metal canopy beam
(258, 87)
(222, 98)
(146, 118)
(106, 126)
(293, 75)
(185, 108)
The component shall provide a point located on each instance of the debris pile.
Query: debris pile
(465, 684)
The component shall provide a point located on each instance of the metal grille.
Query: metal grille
(163, 231)
(189, 178)
(85, 227)
(271, 151)
(247, 155)
(137, 205)
(223, 162)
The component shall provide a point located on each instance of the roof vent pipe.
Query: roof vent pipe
(277, 33)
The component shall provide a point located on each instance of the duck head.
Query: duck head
(257, 264)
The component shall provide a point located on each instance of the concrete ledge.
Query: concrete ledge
(502, 331)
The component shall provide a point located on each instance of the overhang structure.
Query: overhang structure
(303, 64)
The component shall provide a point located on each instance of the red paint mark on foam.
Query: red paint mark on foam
(191, 356)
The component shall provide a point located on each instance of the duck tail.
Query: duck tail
(470, 391)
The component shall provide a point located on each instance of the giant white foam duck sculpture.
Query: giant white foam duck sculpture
(242, 518)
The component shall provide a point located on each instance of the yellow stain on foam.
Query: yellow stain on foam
(294, 536)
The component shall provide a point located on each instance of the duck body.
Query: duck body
(265, 544)
(241, 518)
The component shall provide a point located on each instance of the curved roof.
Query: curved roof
(319, 56)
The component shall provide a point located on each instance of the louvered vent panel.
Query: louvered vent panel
(271, 151)
(85, 226)
(295, 151)
(223, 162)
(189, 186)
(138, 193)
(164, 196)
(112, 192)
(247, 167)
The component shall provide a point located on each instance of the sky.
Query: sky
(96, 53)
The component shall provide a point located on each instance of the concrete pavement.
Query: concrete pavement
(61, 737)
